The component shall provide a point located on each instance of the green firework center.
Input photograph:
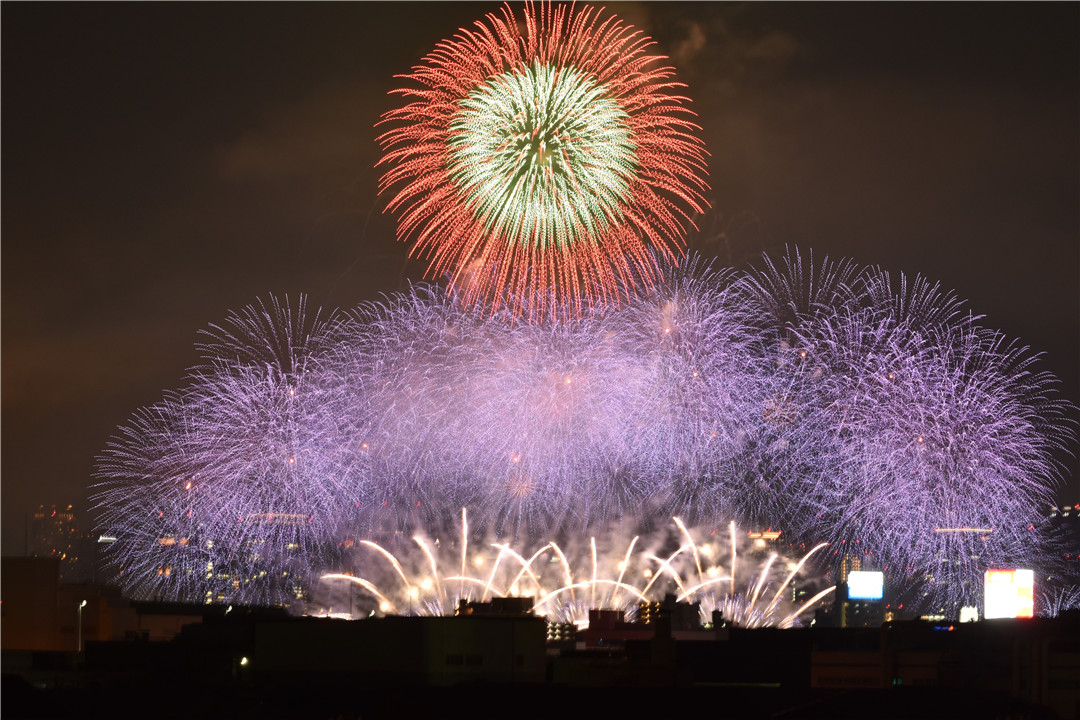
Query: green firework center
(542, 155)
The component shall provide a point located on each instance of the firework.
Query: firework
(545, 163)
(1053, 602)
(567, 579)
(921, 421)
(834, 402)
(235, 481)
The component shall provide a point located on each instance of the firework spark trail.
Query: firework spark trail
(399, 582)
(544, 169)
(833, 402)
(1052, 602)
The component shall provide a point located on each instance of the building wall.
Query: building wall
(29, 608)
(434, 650)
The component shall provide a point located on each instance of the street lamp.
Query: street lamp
(79, 625)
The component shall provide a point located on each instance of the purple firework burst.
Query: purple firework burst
(827, 400)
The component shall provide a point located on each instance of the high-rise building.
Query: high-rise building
(53, 531)
(1064, 527)
(849, 564)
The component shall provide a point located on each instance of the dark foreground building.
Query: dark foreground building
(254, 664)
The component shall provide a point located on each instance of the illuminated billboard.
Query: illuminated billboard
(1009, 594)
(865, 585)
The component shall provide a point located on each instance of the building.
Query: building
(53, 531)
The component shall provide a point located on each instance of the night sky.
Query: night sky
(165, 163)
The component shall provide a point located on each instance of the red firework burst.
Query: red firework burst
(544, 165)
